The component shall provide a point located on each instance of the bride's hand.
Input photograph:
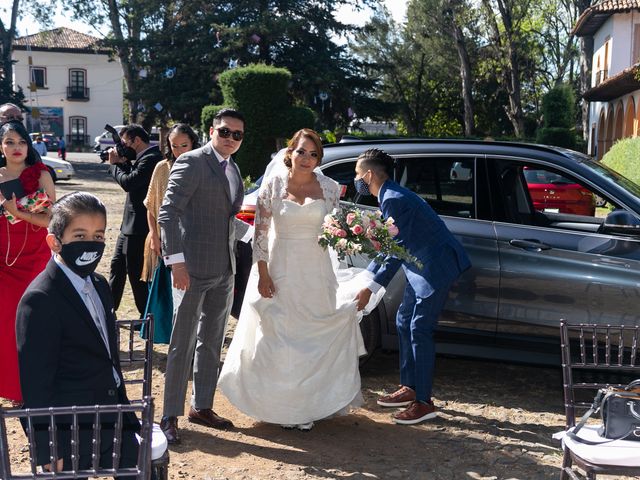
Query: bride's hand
(266, 288)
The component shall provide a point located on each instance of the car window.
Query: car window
(344, 173)
(446, 183)
(543, 196)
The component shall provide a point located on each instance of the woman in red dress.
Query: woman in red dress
(23, 228)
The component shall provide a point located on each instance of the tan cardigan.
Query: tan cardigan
(153, 201)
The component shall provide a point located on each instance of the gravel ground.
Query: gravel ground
(495, 422)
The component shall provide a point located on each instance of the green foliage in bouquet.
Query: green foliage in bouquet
(350, 231)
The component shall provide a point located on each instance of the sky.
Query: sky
(28, 25)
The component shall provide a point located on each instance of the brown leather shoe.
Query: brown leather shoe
(209, 418)
(415, 413)
(169, 426)
(400, 398)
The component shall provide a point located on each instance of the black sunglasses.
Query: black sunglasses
(224, 132)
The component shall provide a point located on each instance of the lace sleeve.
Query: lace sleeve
(262, 222)
(330, 191)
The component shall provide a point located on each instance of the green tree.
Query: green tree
(447, 25)
(402, 68)
(558, 106)
(300, 36)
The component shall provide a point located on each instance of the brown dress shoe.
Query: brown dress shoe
(209, 418)
(169, 426)
(415, 413)
(402, 397)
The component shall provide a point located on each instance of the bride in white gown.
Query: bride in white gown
(294, 354)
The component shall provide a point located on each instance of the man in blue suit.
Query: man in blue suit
(443, 259)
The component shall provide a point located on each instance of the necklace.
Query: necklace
(6, 257)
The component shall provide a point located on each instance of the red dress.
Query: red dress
(23, 255)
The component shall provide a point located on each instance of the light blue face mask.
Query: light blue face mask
(361, 187)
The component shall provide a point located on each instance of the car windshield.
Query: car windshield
(611, 175)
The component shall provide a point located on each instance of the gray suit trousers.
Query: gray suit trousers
(199, 324)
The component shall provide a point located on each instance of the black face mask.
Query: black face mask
(82, 257)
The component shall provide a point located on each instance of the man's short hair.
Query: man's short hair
(10, 106)
(228, 112)
(134, 130)
(377, 160)
(71, 205)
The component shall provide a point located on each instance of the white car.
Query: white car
(59, 169)
(104, 141)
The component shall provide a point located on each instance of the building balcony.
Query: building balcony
(78, 94)
(601, 76)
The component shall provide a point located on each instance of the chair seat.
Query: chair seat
(159, 442)
(624, 453)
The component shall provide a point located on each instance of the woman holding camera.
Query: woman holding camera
(27, 192)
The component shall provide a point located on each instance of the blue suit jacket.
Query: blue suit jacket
(425, 235)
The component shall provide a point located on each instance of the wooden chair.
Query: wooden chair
(134, 355)
(138, 352)
(598, 353)
(76, 419)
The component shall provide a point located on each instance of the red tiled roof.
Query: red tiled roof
(594, 16)
(60, 39)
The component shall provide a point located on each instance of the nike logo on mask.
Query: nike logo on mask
(86, 258)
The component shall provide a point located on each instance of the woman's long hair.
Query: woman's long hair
(180, 128)
(32, 155)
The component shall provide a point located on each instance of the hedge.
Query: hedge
(624, 158)
(260, 92)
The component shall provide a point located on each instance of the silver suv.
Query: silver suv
(532, 262)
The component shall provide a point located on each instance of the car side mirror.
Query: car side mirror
(621, 222)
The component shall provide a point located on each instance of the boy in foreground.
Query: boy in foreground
(66, 335)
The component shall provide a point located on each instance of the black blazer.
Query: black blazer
(134, 178)
(62, 357)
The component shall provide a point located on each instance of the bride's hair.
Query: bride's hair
(299, 135)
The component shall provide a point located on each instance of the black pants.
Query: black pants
(127, 260)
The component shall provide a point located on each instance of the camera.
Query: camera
(121, 149)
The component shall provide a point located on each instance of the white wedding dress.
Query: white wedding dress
(294, 357)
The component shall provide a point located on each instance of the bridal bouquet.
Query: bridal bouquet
(350, 231)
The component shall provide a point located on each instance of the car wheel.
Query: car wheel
(370, 328)
(53, 174)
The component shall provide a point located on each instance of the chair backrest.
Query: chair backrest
(602, 354)
(75, 418)
(137, 352)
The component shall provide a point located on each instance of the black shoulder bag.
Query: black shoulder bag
(620, 411)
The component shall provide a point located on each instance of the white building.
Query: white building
(72, 85)
(614, 96)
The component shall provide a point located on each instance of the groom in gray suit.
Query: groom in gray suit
(199, 231)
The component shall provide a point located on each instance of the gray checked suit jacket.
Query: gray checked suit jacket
(197, 216)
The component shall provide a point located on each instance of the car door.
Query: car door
(454, 186)
(556, 264)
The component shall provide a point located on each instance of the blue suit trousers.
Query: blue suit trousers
(416, 321)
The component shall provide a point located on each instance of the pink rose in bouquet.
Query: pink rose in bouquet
(350, 231)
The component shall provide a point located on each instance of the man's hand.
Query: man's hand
(114, 157)
(363, 298)
(180, 276)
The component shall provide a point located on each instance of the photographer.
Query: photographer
(132, 161)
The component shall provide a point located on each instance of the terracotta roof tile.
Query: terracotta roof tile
(594, 16)
(59, 39)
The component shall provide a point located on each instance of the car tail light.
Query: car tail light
(247, 213)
